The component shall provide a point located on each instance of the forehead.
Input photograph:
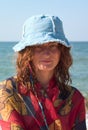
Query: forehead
(46, 44)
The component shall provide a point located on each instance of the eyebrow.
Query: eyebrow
(46, 44)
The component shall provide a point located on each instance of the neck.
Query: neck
(44, 77)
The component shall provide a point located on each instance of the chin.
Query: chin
(46, 68)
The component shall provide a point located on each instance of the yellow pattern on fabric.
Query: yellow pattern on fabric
(18, 104)
(6, 111)
(66, 106)
(10, 101)
(57, 102)
(66, 109)
(15, 127)
(55, 125)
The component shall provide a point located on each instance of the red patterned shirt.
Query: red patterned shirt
(20, 110)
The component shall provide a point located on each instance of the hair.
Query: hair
(62, 74)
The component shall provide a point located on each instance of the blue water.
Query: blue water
(79, 69)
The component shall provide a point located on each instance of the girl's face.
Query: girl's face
(46, 57)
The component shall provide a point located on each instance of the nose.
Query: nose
(46, 51)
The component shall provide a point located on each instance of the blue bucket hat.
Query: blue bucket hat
(41, 29)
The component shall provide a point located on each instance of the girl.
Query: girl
(40, 96)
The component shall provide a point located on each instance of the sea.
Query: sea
(78, 71)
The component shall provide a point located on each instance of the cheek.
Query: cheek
(57, 60)
(35, 60)
(58, 55)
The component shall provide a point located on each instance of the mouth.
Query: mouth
(46, 61)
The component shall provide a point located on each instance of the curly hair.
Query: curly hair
(61, 71)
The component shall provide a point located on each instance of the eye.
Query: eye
(53, 47)
(38, 48)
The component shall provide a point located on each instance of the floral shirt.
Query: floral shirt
(20, 110)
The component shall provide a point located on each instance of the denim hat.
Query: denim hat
(41, 29)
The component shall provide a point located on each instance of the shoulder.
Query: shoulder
(2, 83)
(77, 92)
(77, 96)
(6, 86)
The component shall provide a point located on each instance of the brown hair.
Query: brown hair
(61, 72)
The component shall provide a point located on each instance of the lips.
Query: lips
(46, 61)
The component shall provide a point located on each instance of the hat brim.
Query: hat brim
(24, 43)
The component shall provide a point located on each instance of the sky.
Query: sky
(73, 13)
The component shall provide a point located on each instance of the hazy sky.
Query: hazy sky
(73, 13)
